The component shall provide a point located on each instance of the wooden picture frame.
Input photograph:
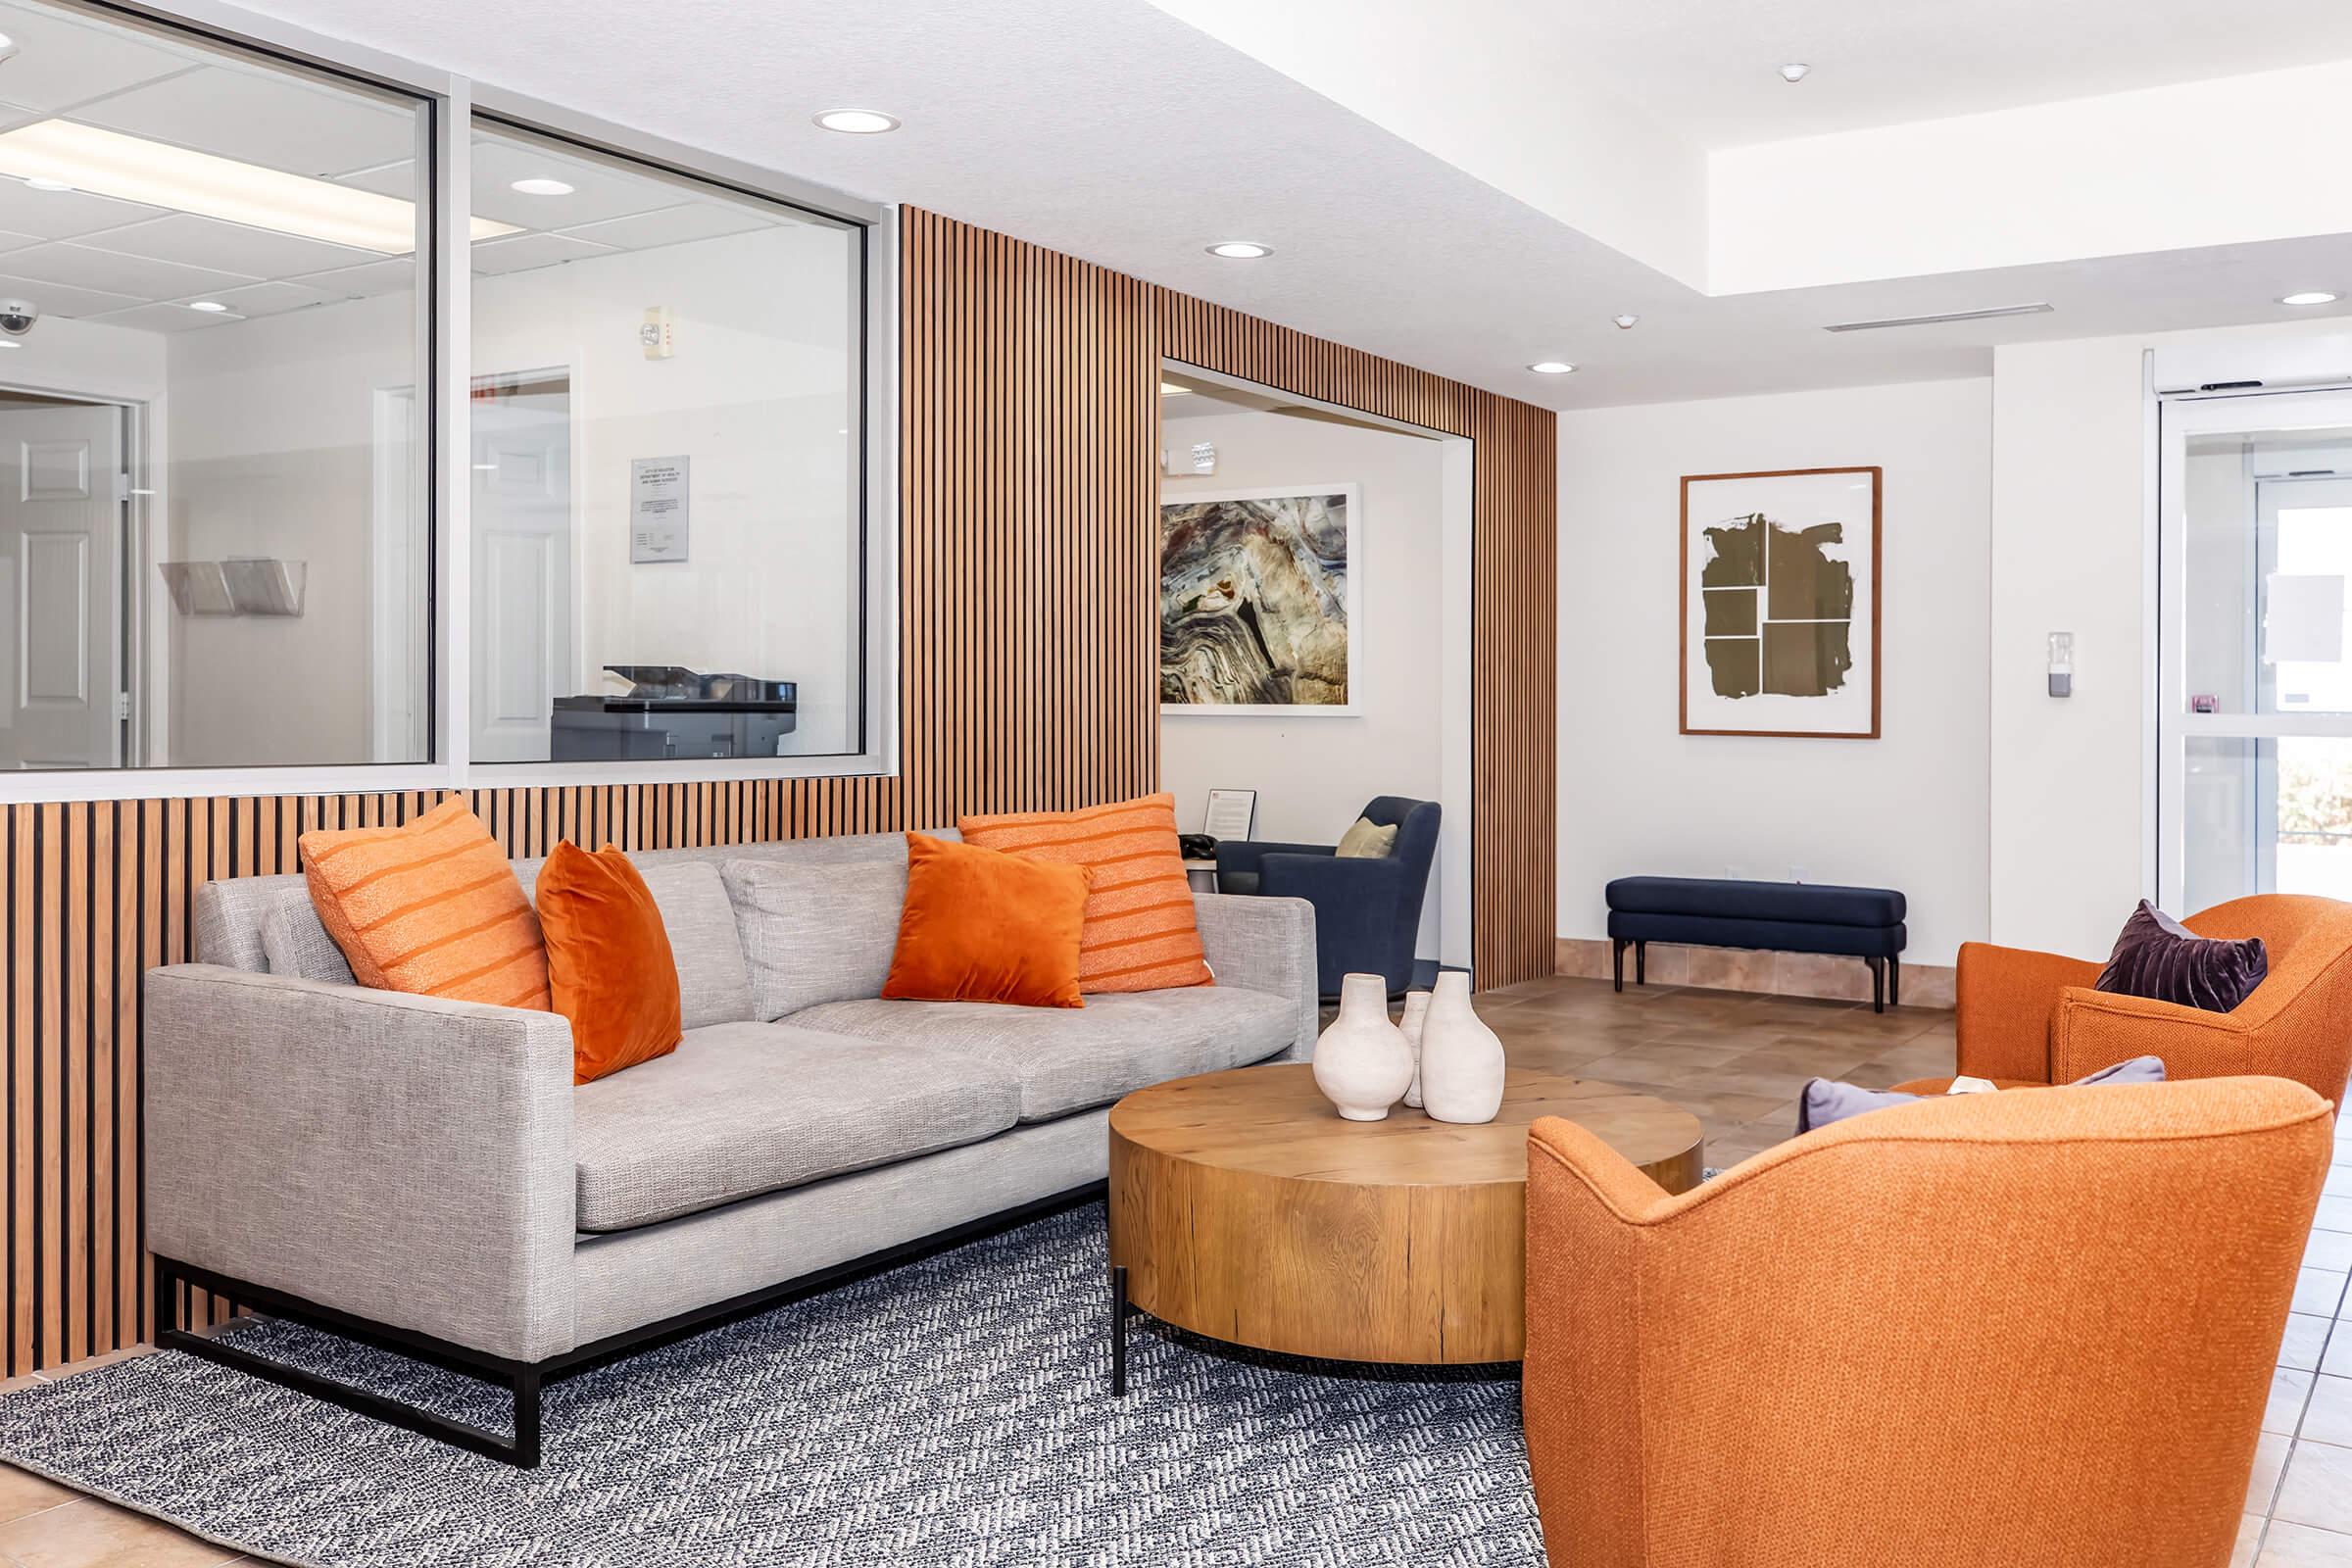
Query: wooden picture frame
(1738, 664)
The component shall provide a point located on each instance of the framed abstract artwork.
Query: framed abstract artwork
(1780, 607)
(1257, 602)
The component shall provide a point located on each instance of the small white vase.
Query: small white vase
(1461, 1059)
(1362, 1064)
(1416, 1013)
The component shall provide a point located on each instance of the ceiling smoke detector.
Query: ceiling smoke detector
(1795, 71)
(1625, 322)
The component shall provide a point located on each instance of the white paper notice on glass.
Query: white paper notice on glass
(658, 495)
(2304, 619)
(1231, 813)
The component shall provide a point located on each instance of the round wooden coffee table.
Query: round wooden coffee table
(1242, 1207)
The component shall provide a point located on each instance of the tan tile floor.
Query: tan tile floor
(1738, 1061)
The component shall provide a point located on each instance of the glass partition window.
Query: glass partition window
(666, 428)
(213, 522)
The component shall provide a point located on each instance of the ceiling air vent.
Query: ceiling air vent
(1984, 314)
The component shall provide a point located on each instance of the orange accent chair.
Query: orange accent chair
(2033, 1017)
(1968, 1333)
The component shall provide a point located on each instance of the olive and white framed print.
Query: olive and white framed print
(1780, 602)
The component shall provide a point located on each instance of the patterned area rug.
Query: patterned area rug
(956, 1411)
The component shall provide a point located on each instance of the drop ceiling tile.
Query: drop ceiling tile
(86, 266)
(263, 117)
(395, 178)
(64, 214)
(194, 242)
(168, 318)
(59, 299)
(62, 61)
(361, 282)
(16, 242)
(271, 299)
(522, 252)
(673, 225)
(598, 190)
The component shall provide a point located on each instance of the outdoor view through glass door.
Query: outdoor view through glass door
(2255, 679)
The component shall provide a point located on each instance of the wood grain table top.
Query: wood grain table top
(1272, 1120)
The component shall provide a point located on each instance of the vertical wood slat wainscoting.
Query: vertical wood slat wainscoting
(1028, 634)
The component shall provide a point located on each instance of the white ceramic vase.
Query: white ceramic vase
(1362, 1064)
(1461, 1059)
(1416, 1013)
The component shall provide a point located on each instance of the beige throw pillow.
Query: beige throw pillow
(1367, 842)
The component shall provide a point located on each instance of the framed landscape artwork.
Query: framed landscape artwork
(1257, 602)
(1779, 610)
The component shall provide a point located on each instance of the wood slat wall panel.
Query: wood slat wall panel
(1028, 630)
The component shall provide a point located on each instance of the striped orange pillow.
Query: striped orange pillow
(1140, 930)
(431, 907)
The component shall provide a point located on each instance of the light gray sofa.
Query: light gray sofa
(423, 1173)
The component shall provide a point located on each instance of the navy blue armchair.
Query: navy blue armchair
(1367, 912)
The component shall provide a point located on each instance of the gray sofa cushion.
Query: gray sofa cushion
(816, 932)
(1071, 1058)
(296, 943)
(715, 984)
(743, 1109)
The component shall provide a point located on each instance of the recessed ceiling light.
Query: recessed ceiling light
(1794, 71)
(1626, 321)
(48, 184)
(1169, 389)
(8, 46)
(1552, 367)
(207, 306)
(155, 174)
(2309, 296)
(1241, 250)
(541, 187)
(858, 122)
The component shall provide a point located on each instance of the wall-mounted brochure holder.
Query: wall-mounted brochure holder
(246, 586)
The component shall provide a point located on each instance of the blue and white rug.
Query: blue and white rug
(956, 1411)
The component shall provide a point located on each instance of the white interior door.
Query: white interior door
(60, 586)
(524, 615)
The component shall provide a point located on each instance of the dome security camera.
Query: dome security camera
(18, 315)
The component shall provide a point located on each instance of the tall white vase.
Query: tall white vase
(1416, 1013)
(1461, 1059)
(1362, 1064)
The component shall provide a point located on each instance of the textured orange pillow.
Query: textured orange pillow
(1140, 934)
(608, 963)
(431, 907)
(980, 926)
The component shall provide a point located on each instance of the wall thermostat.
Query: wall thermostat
(658, 334)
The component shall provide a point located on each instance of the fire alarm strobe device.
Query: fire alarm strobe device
(658, 334)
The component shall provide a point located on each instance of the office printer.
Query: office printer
(671, 712)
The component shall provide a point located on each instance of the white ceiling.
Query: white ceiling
(79, 255)
(1709, 67)
(1111, 129)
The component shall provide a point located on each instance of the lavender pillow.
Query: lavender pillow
(2159, 958)
(1825, 1099)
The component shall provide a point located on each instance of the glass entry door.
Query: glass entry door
(2254, 712)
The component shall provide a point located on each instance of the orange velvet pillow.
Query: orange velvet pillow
(980, 926)
(608, 962)
(429, 907)
(1141, 932)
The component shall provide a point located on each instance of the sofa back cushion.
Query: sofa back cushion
(817, 931)
(295, 943)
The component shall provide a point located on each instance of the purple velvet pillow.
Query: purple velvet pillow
(2160, 959)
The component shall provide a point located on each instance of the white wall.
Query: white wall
(1907, 811)
(1314, 775)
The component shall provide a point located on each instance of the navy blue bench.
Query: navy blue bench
(1865, 924)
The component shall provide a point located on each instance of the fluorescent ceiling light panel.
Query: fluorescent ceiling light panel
(132, 168)
(2039, 308)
